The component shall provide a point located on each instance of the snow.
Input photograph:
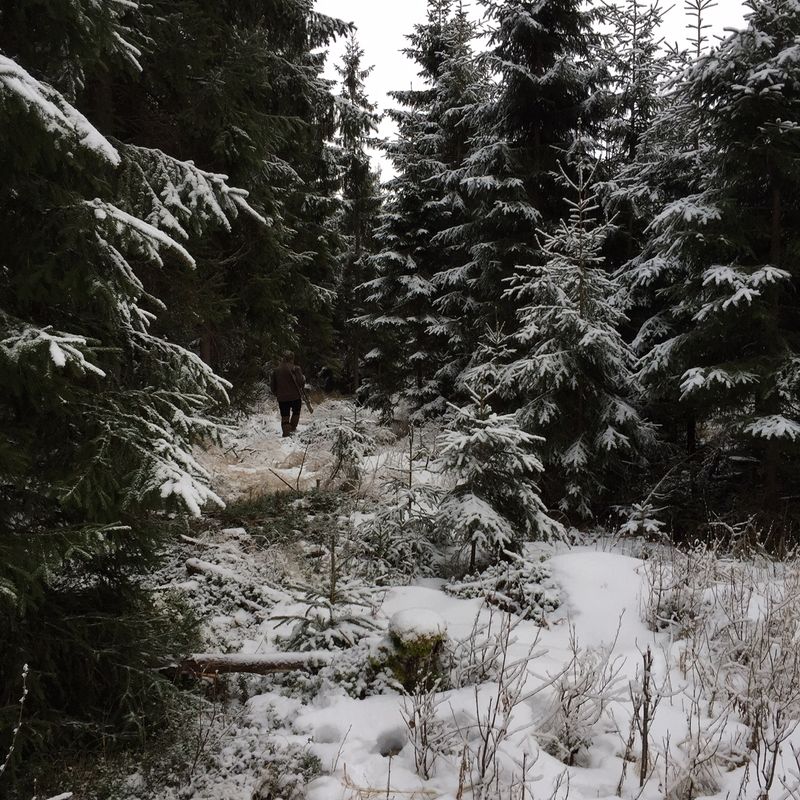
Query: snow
(417, 623)
(774, 426)
(363, 745)
(57, 116)
(62, 348)
(601, 629)
(602, 591)
(148, 235)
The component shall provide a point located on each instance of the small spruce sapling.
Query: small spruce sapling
(338, 612)
(350, 442)
(398, 538)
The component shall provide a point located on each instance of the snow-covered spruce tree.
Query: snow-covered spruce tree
(360, 205)
(462, 86)
(639, 66)
(729, 344)
(669, 164)
(416, 337)
(493, 504)
(573, 369)
(98, 414)
(539, 50)
(399, 299)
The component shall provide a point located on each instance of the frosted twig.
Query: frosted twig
(18, 726)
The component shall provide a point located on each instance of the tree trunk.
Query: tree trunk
(207, 345)
(691, 451)
(770, 402)
(100, 101)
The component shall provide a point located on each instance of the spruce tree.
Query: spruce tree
(494, 502)
(399, 299)
(639, 67)
(539, 50)
(360, 205)
(573, 368)
(462, 86)
(99, 413)
(729, 348)
(637, 64)
(669, 164)
(237, 87)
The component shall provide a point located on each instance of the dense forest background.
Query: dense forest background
(587, 232)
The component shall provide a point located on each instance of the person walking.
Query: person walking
(287, 382)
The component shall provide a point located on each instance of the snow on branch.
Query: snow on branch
(700, 378)
(149, 238)
(162, 432)
(774, 426)
(23, 340)
(57, 116)
(174, 193)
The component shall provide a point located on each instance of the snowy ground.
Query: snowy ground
(254, 458)
(554, 713)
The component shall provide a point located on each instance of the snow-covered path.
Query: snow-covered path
(254, 458)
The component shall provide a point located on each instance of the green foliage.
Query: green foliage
(406, 331)
(493, 502)
(93, 646)
(546, 87)
(336, 615)
(117, 260)
(287, 770)
(518, 586)
(397, 541)
(721, 350)
(238, 88)
(360, 203)
(573, 369)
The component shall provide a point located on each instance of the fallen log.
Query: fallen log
(199, 664)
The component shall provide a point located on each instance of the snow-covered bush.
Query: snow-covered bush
(430, 735)
(675, 588)
(230, 590)
(692, 768)
(478, 658)
(396, 541)
(583, 691)
(518, 585)
(642, 520)
(359, 671)
(494, 705)
(288, 767)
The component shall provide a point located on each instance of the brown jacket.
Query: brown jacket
(286, 381)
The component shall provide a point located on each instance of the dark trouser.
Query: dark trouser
(289, 406)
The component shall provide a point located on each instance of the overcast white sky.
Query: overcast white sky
(383, 24)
